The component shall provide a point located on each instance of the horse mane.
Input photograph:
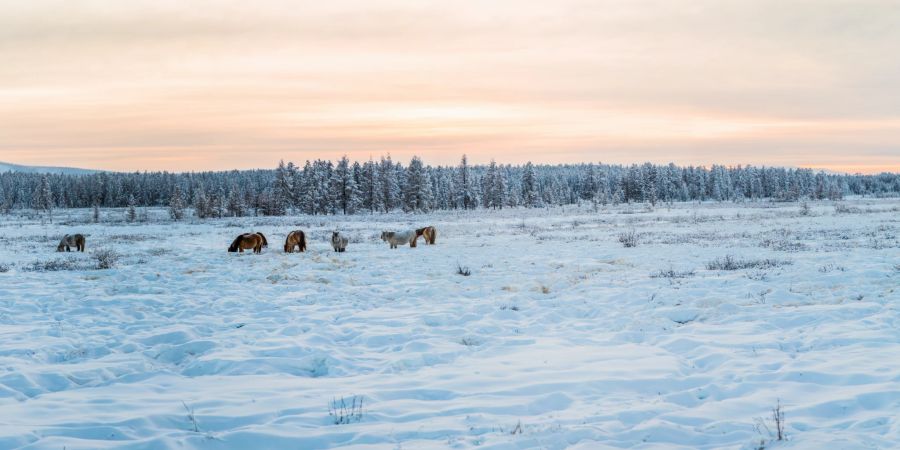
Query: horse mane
(265, 242)
(234, 245)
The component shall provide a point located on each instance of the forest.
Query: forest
(383, 185)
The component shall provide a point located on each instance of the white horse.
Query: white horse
(396, 238)
(339, 241)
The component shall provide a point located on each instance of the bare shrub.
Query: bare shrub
(4, 267)
(54, 265)
(106, 258)
(784, 245)
(672, 273)
(731, 263)
(830, 267)
(778, 423)
(345, 411)
(195, 427)
(628, 239)
(471, 341)
(841, 208)
(464, 271)
(778, 418)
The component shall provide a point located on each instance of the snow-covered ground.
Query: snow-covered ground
(561, 337)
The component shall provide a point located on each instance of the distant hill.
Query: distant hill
(7, 167)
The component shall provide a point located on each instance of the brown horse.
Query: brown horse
(296, 238)
(265, 243)
(429, 233)
(247, 241)
(71, 240)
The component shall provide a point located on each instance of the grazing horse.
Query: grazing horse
(265, 243)
(247, 241)
(296, 238)
(71, 240)
(396, 238)
(429, 233)
(339, 242)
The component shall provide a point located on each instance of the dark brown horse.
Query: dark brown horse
(248, 241)
(296, 238)
(429, 233)
(71, 240)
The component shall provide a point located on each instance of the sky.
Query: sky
(210, 85)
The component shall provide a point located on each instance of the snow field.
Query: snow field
(559, 338)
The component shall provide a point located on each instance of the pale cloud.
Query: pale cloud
(195, 85)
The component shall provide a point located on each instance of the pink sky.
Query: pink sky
(143, 85)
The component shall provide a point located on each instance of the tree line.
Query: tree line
(345, 187)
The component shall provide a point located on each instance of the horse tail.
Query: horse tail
(433, 235)
(265, 243)
(302, 241)
(237, 242)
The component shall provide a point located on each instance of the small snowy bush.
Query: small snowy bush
(346, 411)
(730, 263)
(672, 273)
(4, 268)
(106, 258)
(54, 265)
(628, 239)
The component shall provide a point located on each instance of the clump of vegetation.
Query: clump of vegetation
(628, 239)
(54, 265)
(195, 427)
(345, 411)
(4, 267)
(841, 208)
(463, 270)
(672, 273)
(731, 263)
(106, 258)
(778, 423)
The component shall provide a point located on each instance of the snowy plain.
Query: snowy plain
(561, 337)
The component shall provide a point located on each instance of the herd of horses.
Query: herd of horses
(296, 240)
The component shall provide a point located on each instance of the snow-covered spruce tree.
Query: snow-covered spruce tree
(176, 204)
(417, 195)
(282, 189)
(306, 189)
(343, 187)
(466, 198)
(370, 190)
(4, 200)
(235, 202)
(43, 198)
(493, 186)
(390, 185)
(200, 202)
(529, 187)
(131, 213)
